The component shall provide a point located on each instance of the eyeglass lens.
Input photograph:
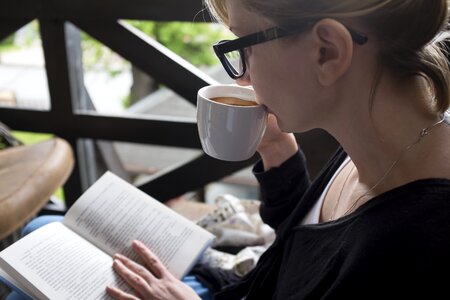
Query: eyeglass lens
(235, 61)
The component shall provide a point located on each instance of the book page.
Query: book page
(113, 213)
(53, 262)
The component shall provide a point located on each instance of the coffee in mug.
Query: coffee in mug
(234, 101)
(230, 122)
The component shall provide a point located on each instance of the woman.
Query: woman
(375, 224)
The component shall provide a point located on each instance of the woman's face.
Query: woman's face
(278, 70)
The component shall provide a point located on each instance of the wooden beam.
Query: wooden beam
(158, 130)
(191, 176)
(54, 42)
(158, 10)
(8, 27)
(149, 56)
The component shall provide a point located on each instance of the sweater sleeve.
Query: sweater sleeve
(214, 278)
(281, 188)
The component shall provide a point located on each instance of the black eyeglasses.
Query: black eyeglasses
(232, 55)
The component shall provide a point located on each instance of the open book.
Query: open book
(73, 259)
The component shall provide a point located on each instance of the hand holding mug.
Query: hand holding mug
(276, 146)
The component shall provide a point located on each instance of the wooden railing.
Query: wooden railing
(71, 115)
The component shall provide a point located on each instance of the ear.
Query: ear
(333, 48)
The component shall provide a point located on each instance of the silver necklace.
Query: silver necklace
(424, 132)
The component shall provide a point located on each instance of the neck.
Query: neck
(383, 149)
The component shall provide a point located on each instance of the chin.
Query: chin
(293, 129)
(284, 128)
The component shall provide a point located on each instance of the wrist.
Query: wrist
(275, 153)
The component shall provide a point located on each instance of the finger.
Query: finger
(136, 268)
(134, 280)
(118, 294)
(151, 261)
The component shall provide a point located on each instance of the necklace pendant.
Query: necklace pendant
(424, 132)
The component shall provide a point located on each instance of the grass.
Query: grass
(30, 138)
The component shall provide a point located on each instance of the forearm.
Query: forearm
(282, 188)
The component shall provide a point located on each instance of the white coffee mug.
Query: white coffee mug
(227, 131)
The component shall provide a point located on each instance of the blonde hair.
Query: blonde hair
(408, 31)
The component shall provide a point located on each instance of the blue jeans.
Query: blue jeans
(17, 294)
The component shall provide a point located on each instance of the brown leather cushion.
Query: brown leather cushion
(29, 175)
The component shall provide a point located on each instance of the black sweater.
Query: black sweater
(395, 246)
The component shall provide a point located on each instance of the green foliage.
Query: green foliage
(27, 37)
(7, 44)
(29, 138)
(127, 101)
(192, 41)
(96, 54)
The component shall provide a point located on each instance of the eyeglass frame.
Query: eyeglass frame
(225, 46)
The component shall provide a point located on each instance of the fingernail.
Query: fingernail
(118, 255)
(137, 243)
(117, 262)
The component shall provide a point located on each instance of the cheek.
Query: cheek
(260, 75)
(284, 83)
(276, 79)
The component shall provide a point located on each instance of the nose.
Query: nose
(244, 80)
